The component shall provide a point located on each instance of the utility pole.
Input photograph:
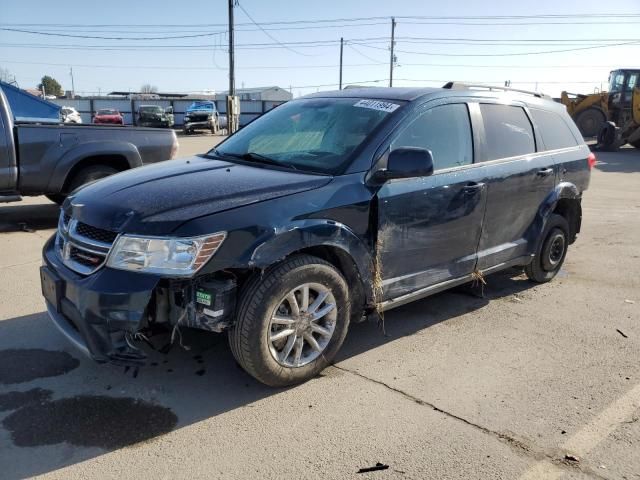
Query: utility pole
(73, 87)
(233, 105)
(232, 79)
(392, 59)
(341, 47)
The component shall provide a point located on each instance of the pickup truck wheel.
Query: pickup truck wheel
(90, 174)
(214, 128)
(551, 252)
(291, 321)
(57, 198)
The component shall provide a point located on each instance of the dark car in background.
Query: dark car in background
(108, 116)
(154, 116)
(324, 210)
(202, 115)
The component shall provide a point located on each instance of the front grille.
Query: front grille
(83, 248)
(94, 233)
(198, 117)
(88, 259)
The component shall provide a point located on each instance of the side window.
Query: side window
(632, 81)
(445, 130)
(554, 130)
(508, 131)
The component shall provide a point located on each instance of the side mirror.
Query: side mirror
(407, 162)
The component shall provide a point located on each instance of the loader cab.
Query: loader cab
(621, 85)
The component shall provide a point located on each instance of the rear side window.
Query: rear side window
(446, 131)
(508, 131)
(554, 130)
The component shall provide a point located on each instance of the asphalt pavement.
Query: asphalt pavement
(527, 382)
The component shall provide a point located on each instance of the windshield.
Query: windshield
(153, 109)
(616, 81)
(107, 112)
(201, 106)
(317, 135)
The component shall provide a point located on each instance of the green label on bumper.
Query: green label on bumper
(204, 298)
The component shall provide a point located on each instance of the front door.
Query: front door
(429, 227)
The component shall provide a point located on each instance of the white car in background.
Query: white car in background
(70, 115)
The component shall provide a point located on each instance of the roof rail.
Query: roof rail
(465, 86)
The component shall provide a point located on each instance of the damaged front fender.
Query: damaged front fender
(321, 234)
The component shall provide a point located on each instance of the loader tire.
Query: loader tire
(590, 121)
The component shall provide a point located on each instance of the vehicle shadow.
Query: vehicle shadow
(625, 160)
(97, 409)
(25, 217)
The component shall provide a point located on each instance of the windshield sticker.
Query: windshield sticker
(377, 105)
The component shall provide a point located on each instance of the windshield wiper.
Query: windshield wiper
(256, 157)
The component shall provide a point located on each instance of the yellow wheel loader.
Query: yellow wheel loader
(613, 116)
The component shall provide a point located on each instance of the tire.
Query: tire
(90, 174)
(552, 250)
(267, 359)
(607, 137)
(214, 127)
(590, 121)
(57, 198)
(636, 143)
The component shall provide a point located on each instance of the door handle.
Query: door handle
(544, 172)
(472, 188)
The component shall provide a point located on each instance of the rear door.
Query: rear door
(519, 178)
(428, 227)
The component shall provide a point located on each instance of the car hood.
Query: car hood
(156, 199)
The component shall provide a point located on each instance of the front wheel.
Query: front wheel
(551, 251)
(291, 321)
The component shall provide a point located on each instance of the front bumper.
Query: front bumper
(205, 124)
(99, 312)
(155, 123)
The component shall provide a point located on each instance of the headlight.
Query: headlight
(167, 256)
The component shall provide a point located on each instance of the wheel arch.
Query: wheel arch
(118, 155)
(331, 241)
(564, 200)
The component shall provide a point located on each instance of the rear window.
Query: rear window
(508, 131)
(554, 130)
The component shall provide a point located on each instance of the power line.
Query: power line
(364, 42)
(267, 33)
(571, 16)
(505, 54)
(288, 67)
(171, 37)
(377, 62)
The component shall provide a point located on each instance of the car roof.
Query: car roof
(382, 93)
(413, 93)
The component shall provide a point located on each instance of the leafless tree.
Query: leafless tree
(148, 88)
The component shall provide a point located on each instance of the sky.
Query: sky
(303, 55)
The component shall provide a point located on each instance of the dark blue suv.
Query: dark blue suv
(324, 210)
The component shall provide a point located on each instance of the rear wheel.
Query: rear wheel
(57, 198)
(589, 121)
(551, 251)
(291, 321)
(636, 143)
